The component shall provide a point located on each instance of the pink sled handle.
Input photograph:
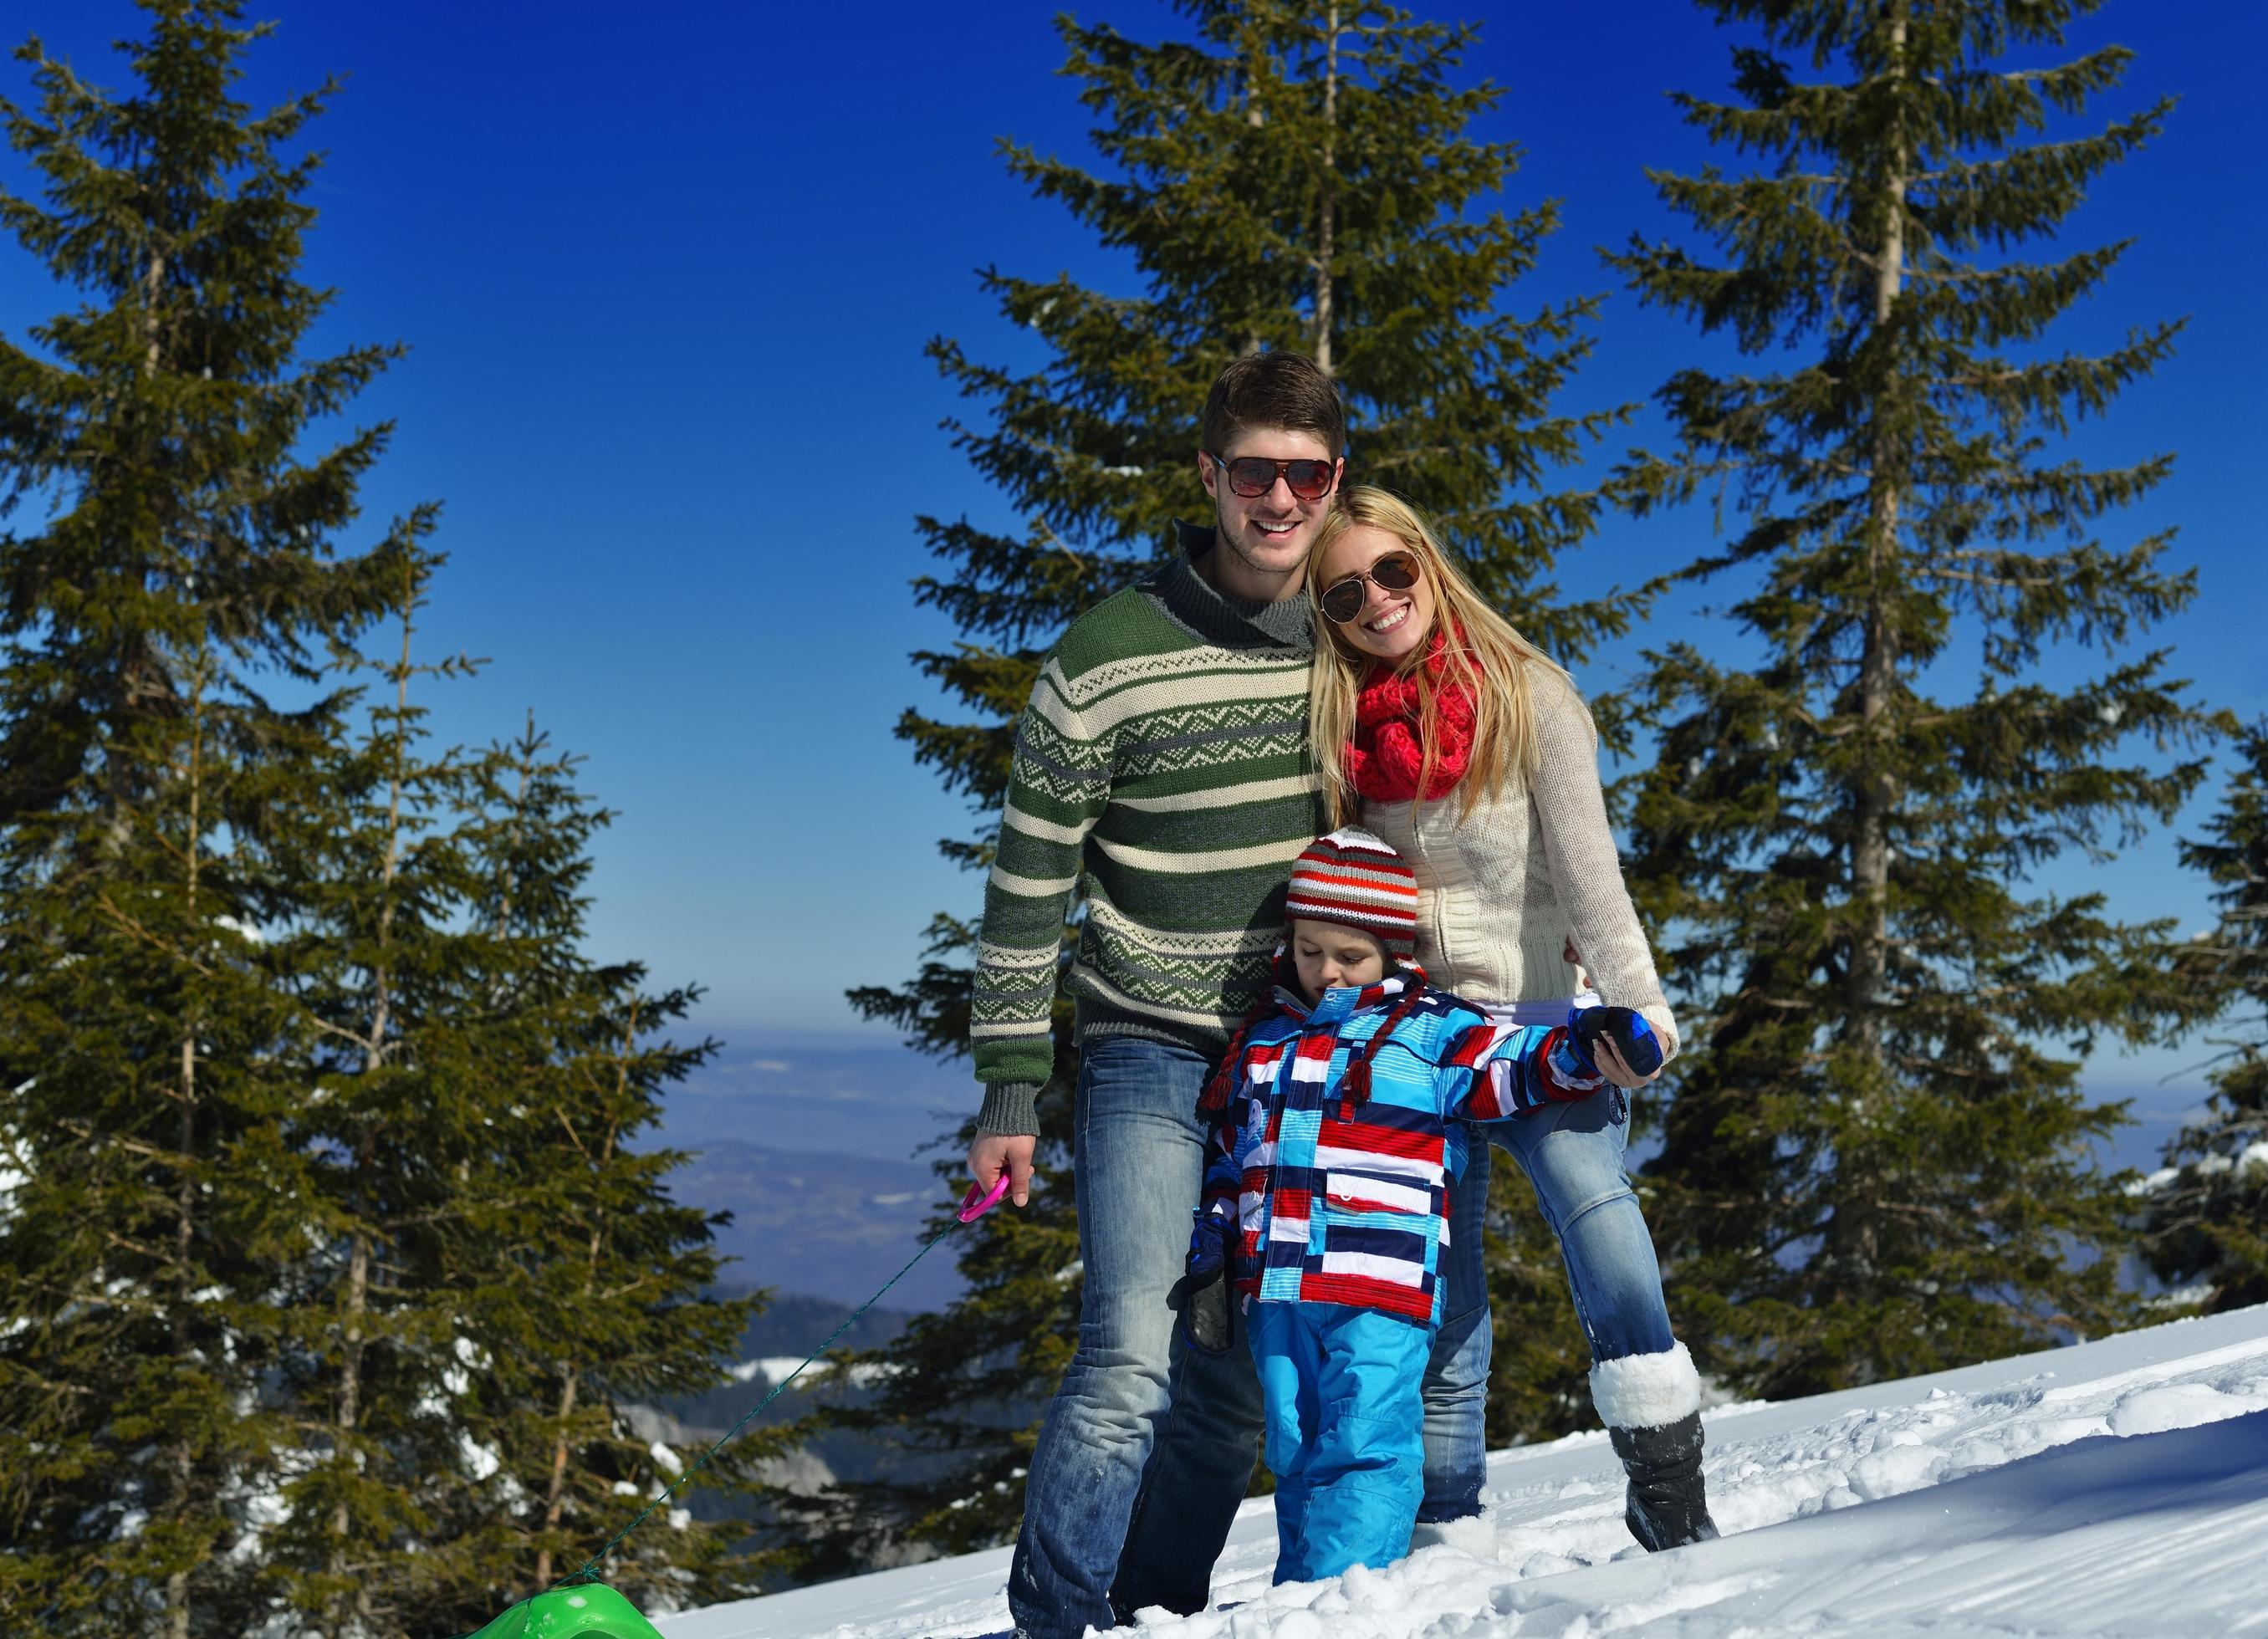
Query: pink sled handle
(978, 1202)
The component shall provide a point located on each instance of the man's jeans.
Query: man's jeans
(1138, 1162)
(1139, 1159)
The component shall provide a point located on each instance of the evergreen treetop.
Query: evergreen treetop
(162, 423)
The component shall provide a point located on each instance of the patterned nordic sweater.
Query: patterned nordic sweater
(1346, 1201)
(1163, 758)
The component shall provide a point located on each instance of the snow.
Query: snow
(2118, 1488)
(469, 1360)
(2253, 1155)
(777, 1368)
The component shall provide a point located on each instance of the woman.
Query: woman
(1441, 729)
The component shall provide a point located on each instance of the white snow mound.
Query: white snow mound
(2117, 1488)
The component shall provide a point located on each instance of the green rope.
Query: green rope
(590, 1570)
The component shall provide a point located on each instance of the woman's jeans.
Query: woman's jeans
(1112, 1525)
(1572, 1154)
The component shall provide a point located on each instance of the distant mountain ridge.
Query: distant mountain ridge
(855, 1096)
(821, 1222)
(828, 1197)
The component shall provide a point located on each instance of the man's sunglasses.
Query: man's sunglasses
(1254, 475)
(1343, 600)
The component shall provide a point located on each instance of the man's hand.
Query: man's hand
(994, 1153)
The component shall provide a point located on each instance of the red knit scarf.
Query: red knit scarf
(1386, 755)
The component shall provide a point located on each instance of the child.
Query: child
(1335, 1132)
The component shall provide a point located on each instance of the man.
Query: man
(1163, 758)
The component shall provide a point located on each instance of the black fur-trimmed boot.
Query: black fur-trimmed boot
(1669, 1503)
(1652, 1406)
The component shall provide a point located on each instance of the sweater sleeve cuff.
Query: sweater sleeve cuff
(1010, 1109)
(1665, 1028)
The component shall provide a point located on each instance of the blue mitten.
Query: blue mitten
(1208, 1238)
(1208, 1314)
(1632, 1036)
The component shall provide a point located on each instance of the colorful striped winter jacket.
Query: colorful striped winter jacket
(1342, 1192)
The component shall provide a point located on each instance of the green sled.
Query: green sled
(589, 1610)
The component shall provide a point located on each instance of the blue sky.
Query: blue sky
(666, 274)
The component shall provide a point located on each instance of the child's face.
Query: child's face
(1329, 955)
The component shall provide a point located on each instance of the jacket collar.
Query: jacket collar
(1343, 1001)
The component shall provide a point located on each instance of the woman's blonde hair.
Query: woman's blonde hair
(1496, 657)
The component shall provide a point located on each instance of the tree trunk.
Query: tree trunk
(555, 1497)
(374, 1052)
(180, 1456)
(1852, 1237)
(139, 668)
(555, 1501)
(154, 283)
(1253, 116)
(1877, 793)
(1328, 206)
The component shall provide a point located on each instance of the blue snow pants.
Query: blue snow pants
(1346, 1432)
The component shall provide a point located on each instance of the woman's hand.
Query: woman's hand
(1611, 1037)
(994, 1153)
(1612, 1067)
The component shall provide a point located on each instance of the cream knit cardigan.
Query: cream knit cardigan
(1500, 896)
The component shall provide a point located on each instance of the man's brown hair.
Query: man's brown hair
(1280, 390)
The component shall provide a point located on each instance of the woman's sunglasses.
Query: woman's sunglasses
(1343, 600)
(1254, 475)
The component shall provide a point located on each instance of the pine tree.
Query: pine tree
(498, 1274)
(1291, 174)
(2206, 1230)
(182, 570)
(581, 1286)
(326, 1268)
(501, 1274)
(386, 978)
(1875, 1159)
(155, 1231)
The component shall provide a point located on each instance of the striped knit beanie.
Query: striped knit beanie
(1357, 881)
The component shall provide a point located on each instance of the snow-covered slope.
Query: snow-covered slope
(2118, 1488)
